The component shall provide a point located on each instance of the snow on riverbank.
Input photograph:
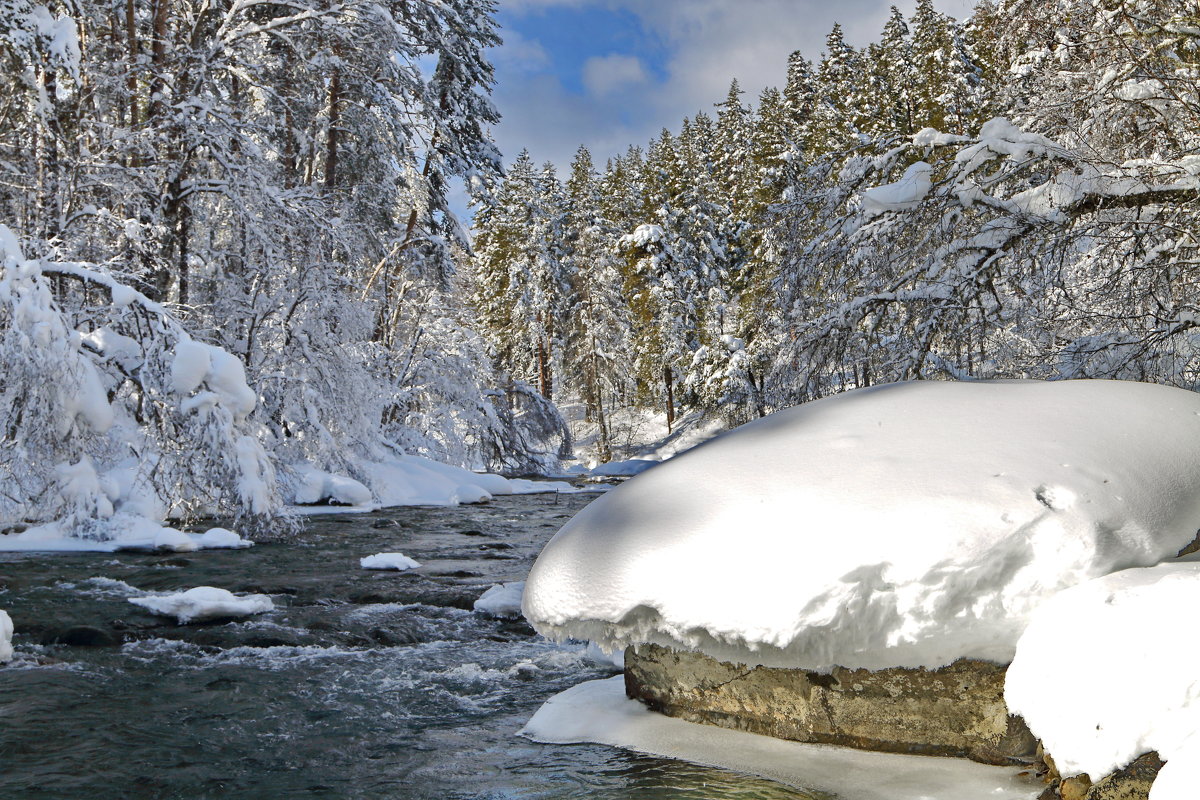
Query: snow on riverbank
(1107, 671)
(407, 481)
(599, 712)
(204, 603)
(134, 533)
(902, 525)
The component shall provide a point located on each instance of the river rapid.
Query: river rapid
(359, 684)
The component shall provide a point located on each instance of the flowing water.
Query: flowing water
(360, 684)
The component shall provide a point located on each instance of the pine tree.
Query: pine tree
(835, 122)
(599, 330)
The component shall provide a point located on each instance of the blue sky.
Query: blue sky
(610, 73)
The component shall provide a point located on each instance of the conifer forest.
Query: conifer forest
(227, 248)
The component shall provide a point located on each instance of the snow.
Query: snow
(256, 478)
(197, 364)
(6, 632)
(902, 525)
(396, 561)
(418, 481)
(204, 603)
(131, 532)
(318, 486)
(1107, 671)
(644, 235)
(221, 539)
(619, 469)
(501, 600)
(905, 193)
(599, 712)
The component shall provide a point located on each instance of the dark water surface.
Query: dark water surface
(361, 684)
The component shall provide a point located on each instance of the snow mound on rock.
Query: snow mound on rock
(1107, 671)
(318, 486)
(6, 632)
(903, 525)
(204, 603)
(396, 561)
(501, 600)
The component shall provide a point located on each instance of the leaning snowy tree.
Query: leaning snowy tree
(1060, 251)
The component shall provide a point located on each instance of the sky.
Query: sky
(611, 73)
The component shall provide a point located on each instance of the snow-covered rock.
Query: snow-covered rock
(1108, 670)
(396, 561)
(204, 603)
(902, 525)
(501, 600)
(6, 632)
(318, 486)
(221, 539)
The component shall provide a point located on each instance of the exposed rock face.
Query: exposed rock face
(1131, 782)
(957, 710)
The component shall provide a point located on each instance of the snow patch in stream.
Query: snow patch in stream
(204, 603)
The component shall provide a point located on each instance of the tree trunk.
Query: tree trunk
(667, 381)
(158, 57)
(131, 75)
(545, 368)
(332, 135)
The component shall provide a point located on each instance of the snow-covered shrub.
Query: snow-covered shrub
(110, 407)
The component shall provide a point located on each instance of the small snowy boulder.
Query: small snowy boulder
(1133, 685)
(222, 539)
(6, 632)
(204, 603)
(395, 561)
(501, 600)
(903, 525)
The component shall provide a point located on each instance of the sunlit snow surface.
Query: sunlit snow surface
(902, 525)
(1108, 670)
(598, 711)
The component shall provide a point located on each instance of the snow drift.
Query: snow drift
(901, 525)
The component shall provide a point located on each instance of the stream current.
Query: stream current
(360, 684)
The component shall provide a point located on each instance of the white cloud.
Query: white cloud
(603, 75)
(519, 54)
(707, 44)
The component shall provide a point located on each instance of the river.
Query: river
(360, 684)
